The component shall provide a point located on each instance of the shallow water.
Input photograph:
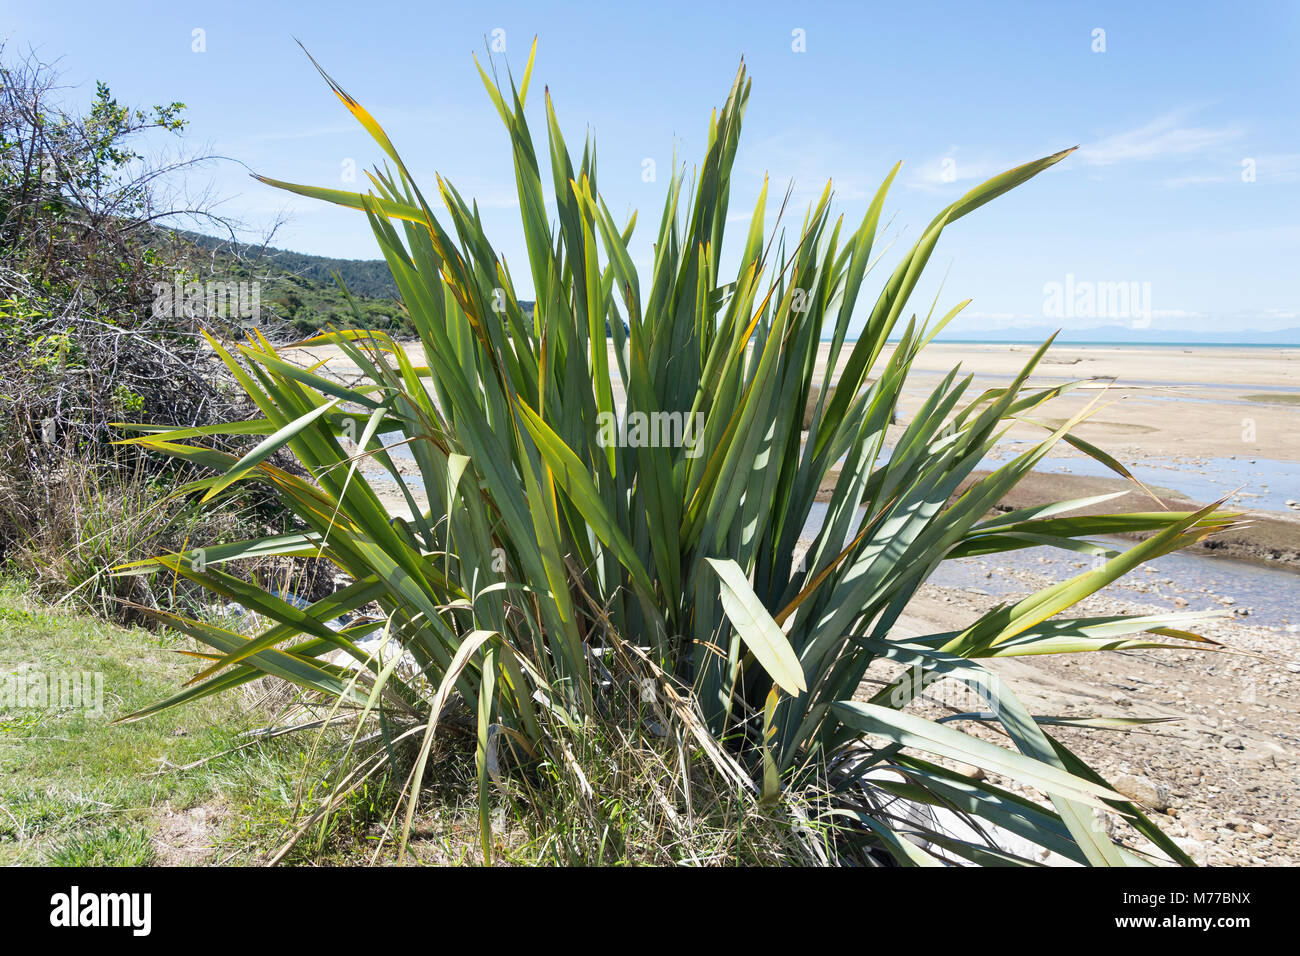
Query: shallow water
(1183, 399)
(1179, 389)
(1263, 483)
(1268, 594)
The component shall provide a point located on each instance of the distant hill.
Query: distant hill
(298, 294)
(363, 277)
(299, 289)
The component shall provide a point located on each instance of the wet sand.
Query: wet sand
(1170, 404)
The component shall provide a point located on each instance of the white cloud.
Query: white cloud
(950, 169)
(1269, 169)
(1168, 138)
(1164, 138)
(996, 317)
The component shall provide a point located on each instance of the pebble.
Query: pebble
(1234, 742)
(1143, 790)
(1193, 848)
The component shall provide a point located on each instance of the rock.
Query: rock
(1258, 760)
(1143, 790)
(1193, 848)
(1233, 743)
(1261, 829)
(970, 771)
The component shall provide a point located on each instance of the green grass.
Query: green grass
(77, 789)
(117, 846)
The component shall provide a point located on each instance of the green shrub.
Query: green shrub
(554, 581)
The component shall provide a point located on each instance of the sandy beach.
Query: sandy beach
(1195, 424)
(1218, 393)
(1170, 403)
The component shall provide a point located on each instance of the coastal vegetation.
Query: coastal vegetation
(627, 643)
(91, 333)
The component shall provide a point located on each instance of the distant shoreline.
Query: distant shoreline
(1073, 343)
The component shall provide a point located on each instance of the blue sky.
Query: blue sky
(1184, 100)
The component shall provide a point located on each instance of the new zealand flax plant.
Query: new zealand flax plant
(550, 580)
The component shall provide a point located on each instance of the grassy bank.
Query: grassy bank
(77, 789)
(188, 787)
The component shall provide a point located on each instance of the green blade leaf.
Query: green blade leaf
(757, 629)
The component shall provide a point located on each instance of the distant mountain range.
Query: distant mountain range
(1126, 335)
